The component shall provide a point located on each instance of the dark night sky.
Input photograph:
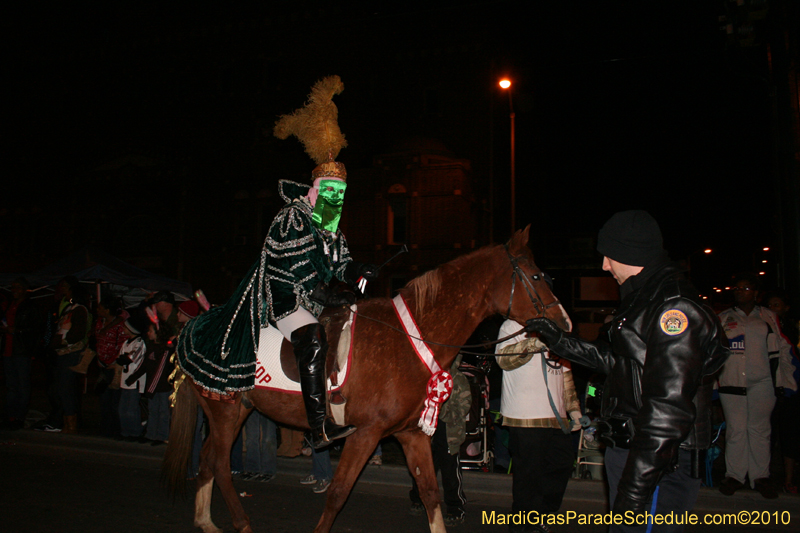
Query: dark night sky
(619, 104)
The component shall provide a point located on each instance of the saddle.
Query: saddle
(333, 319)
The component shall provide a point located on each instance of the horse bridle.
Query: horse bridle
(530, 289)
(527, 282)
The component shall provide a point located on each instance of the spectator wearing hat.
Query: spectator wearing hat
(186, 311)
(130, 359)
(22, 328)
(163, 303)
(659, 353)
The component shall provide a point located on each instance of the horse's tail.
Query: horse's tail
(175, 468)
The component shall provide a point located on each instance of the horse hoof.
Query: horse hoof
(208, 527)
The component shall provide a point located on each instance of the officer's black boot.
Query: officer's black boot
(310, 348)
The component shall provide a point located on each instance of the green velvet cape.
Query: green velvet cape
(218, 348)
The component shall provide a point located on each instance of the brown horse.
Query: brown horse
(387, 381)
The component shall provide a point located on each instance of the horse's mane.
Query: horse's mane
(426, 287)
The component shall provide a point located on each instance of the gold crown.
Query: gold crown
(331, 169)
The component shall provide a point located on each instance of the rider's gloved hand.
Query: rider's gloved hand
(546, 328)
(324, 295)
(353, 271)
(339, 299)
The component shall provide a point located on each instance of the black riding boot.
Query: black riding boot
(310, 348)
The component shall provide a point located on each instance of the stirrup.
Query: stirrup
(329, 432)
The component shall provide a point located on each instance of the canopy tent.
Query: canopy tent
(90, 265)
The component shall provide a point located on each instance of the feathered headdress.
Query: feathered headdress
(316, 126)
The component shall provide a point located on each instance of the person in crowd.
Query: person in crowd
(156, 369)
(109, 335)
(377, 456)
(787, 409)
(451, 431)
(131, 357)
(163, 303)
(321, 471)
(22, 329)
(760, 362)
(69, 340)
(538, 401)
(291, 442)
(304, 252)
(659, 354)
(261, 448)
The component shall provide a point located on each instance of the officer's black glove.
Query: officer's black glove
(123, 360)
(354, 270)
(546, 328)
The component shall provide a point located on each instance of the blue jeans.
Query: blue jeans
(321, 467)
(67, 383)
(237, 464)
(261, 443)
(197, 445)
(18, 386)
(130, 414)
(109, 406)
(158, 417)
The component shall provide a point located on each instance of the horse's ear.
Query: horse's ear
(519, 239)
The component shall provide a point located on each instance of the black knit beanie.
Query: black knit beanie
(632, 238)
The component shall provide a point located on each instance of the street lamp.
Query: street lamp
(505, 84)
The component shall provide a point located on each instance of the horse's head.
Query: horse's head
(526, 291)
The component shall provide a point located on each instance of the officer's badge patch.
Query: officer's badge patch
(673, 322)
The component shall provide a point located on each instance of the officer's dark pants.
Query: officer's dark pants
(677, 491)
(450, 465)
(542, 460)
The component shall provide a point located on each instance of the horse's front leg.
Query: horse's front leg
(225, 421)
(359, 447)
(417, 448)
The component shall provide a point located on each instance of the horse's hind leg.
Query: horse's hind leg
(205, 481)
(225, 420)
(354, 456)
(417, 448)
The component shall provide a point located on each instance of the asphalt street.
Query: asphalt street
(85, 483)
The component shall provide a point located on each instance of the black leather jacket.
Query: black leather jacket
(658, 354)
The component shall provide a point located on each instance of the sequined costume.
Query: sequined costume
(218, 348)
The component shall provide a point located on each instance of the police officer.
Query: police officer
(657, 353)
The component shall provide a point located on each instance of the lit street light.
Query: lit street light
(505, 84)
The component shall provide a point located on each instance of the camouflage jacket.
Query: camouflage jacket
(454, 411)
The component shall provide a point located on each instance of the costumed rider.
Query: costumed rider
(289, 285)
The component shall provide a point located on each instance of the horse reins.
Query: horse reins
(530, 289)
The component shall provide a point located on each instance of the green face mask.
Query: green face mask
(328, 209)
